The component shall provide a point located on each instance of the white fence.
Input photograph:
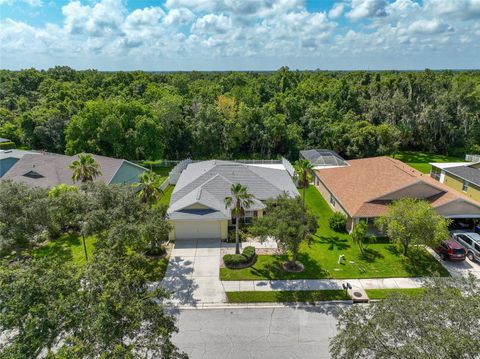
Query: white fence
(472, 158)
(175, 173)
(288, 166)
(259, 162)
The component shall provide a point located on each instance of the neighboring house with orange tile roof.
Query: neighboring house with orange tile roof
(363, 190)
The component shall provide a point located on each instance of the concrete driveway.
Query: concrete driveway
(238, 333)
(193, 272)
(459, 269)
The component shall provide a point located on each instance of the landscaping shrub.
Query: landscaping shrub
(243, 234)
(156, 251)
(240, 260)
(338, 222)
(7, 146)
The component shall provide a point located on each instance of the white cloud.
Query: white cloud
(336, 11)
(217, 30)
(461, 9)
(101, 19)
(367, 9)
(433, 26)
(34, 3)
(179, 16)
(212, 24)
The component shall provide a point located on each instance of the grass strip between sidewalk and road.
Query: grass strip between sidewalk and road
(286, 296)
(384, 293)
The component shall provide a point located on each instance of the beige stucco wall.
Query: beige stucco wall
(457, 184)
(326, 196)
(224, 229)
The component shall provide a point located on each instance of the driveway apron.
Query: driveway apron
(192, 275)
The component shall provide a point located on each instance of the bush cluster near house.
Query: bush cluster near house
(242, 260)
(238, 114)
(338, 222)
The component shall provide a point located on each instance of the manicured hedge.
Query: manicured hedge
(240, 260)
(7, 145)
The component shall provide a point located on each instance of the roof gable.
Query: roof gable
(418, 189)
(209, 182)
(368, 185)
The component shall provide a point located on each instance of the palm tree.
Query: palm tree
(150, 191)
(85, 168)
(305, 168)
(238, 202)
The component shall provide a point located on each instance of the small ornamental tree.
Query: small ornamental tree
(360, 236)
(149, 187)
(155, 229)
(305, 168)
(413, 222)
(290, 223)
(238, 202)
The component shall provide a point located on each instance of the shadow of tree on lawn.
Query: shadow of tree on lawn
(370, 255)
(334, 242)
(274, 270)
(418, 262)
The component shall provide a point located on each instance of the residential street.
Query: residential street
(279, 332)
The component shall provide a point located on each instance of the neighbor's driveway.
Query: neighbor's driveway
(193, 272)
(459, 269)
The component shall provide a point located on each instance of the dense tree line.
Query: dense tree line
(138, 115)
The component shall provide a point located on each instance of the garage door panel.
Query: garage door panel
(197, 230)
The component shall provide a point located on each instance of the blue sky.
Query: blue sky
(240, 34)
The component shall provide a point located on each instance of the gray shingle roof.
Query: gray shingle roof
(323, 157)
(469, 174)
(53, 169)
(207, 183)
(3, 140)
(14, 153)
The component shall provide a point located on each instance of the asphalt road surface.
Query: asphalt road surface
(280, 332)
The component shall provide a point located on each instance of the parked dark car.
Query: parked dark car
(470, 241)
(451, 250)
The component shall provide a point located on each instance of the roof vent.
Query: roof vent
(33, 175)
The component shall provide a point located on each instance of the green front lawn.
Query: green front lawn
(420, 160)
(69, 247)
(320, 258)
(287, 296)
(384, 293)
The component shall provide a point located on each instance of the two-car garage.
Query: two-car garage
(199, 229)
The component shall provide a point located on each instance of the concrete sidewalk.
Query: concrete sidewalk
(321, 284)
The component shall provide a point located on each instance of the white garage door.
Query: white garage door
(195, 230)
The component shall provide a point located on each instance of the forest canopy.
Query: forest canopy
(140, 115)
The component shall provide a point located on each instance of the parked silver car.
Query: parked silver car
(470, 241)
